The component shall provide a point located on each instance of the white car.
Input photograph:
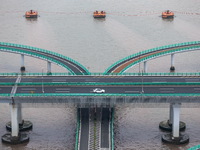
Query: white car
(98, 90)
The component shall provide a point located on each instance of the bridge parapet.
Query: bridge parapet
(107, 75)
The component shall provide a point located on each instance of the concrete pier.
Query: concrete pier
(15, 137)
(24, 125)
(145, 66)
(22, 63)
(172, 68)
(48, 67)
(167, 124)
(175, 137)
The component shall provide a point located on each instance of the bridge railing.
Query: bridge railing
(96, 83)
(45, 51)
(77, 131)
(102, 74)
(112, 130)
(98, 95)
(151, 50)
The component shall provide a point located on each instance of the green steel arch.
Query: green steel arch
(170, 49)
(15, 48)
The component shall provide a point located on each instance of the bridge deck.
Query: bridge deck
(127, 62)
(119, 89)
(74, 66)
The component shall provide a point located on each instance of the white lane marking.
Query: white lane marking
(191, 80)
(57, 89)
(62, 91)
(58, 80)
(196, 88)
(166, 89)
(132, 91)
(27, 89)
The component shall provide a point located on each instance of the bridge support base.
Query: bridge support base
(166, 126)
(21, 138)
(172, 68)
(22, 69)
(24, 126)
(182, 139)
(175, 137)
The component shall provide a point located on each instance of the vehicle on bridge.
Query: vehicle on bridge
(31, 14)
(99, 14)
(167, 14)
(98, 90)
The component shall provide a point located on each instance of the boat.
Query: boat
(167, 14)
(99, 14)
(31, 14)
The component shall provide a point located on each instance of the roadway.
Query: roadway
(118, 89)
(90, 118)
(149, 84)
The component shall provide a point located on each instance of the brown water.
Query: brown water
(67, 27)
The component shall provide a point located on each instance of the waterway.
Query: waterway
(67, 27)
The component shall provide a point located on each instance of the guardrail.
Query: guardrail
(154, 50)
(102, 74)
(97, 83)
(112, 129)
(77, 130)
(41, 50)
(99, 95)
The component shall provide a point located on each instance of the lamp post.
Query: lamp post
(142, 84)
(139, 62)
(42, 83)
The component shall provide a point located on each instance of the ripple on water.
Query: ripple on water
(137, 128)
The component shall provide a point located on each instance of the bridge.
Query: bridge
(95, 111)
(51, 57)
(127, 62)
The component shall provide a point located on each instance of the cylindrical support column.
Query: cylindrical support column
(145, 66)
(22, 63)
(15, 137)
(170, 114)
(48, 67)
(172, 68)
(176, 119)
(14, 120)
(19, 116)
(175, 137)
(166, 125)
(22, 60)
